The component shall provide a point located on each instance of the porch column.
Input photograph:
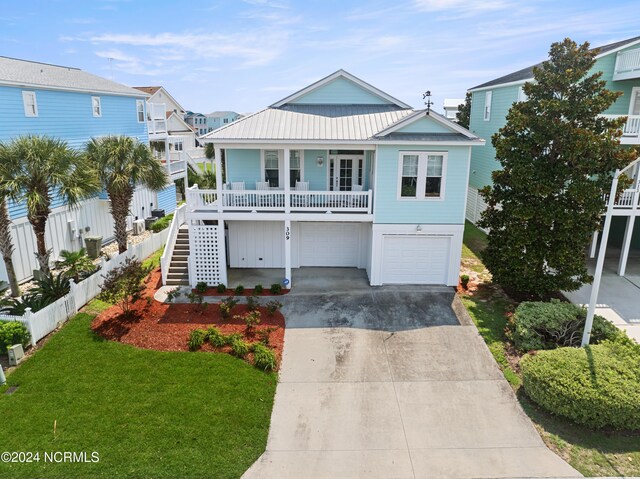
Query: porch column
(626, 245)
(218, 172)
(287, 252)
(287, 184)
(222, 253)
(594, 245)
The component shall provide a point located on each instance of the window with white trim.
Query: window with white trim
(521, 94)
(96, 106)
(295, 168)
(487, 105)
(30, 103)
(271, 170)
(140, 110)
(421, 175)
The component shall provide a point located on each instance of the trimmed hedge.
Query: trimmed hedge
(13, 332)
(161, 223)
(597, 386)
(539, 325)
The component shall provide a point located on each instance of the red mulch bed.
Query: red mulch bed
(166, 327)
(247, 292)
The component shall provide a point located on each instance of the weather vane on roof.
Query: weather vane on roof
(427, 95)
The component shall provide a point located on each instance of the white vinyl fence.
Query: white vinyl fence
(47, 319)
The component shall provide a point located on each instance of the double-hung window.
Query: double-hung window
(271, 168)
(96, 106)
(421, 175)
(487, 105)
(30, 103)
(140, 110)
(295, 168)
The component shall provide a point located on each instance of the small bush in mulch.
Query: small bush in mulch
(196, 339)
(264, 358)
(275, 288)
(597, 386)
(239, 348)
(273, 306)
(258, 289)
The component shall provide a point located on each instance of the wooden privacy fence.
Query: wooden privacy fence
(48, 318)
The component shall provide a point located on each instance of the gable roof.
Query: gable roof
(346, 75)
(24, 73)
(152, 90)
(527, 73)
(419, 115)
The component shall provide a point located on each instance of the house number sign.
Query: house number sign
(287, 233)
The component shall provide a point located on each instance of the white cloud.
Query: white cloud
(466, 5)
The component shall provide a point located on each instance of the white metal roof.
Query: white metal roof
(25, 73)
(313, 123)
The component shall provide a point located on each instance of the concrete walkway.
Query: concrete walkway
(385, 383)
(618, 296)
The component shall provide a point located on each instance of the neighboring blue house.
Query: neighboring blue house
(198, 121)
(75, 106)
(219, 119)
(491, 101)
(338, 174)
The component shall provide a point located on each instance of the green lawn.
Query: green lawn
(205, 167)
(591, 453)
(146, 413)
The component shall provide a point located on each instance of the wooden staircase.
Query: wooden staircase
(178, 274)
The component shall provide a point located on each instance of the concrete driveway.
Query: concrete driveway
(385, 383)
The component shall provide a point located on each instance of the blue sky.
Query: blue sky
(243, 55)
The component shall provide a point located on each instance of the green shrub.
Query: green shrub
(51, 287)
(76, 264)
(264, 358)
(123, 285)
(18, 306)
(251, 319)
(221, 288)
(273, 306)
(539, 325)
(275, 288)
(196, 339)
(253, 303)
(239, 290)
(239, 347)
(201, 287)
(226, 306)
(597, 386)
(464, 280)
(198, 300)
(264, 334)
(258, 289)
(230, 338)
(216, 338)
(161, 223)
(173, 294)
(13, 332)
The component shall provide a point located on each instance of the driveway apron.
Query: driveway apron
(386, 383)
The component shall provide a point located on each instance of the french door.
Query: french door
(345, 171)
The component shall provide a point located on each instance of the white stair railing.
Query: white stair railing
(177, 221)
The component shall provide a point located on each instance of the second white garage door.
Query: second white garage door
(329, 244)
(412, 259)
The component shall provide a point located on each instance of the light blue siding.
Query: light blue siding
(67, 116)
(315, 175)
(167, 199)
(483, 158)
(606, 65)
(244, 165)
(390, 210)
(341, 91)
(425, 124)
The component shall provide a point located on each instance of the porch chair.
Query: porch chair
(354, 200)
(302, 200)
(238, 200)
(263, 199)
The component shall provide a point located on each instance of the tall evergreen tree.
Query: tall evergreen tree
(464, 111)
(557, 156)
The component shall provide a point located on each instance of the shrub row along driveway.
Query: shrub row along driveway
(386, 383)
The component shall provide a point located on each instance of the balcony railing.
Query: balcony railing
(157, 119)
(280, 201)
(627, 65)
(630, 130)
(627, 199)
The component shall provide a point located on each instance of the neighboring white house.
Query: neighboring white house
(451, 108)
(339, 174)
(170, 136)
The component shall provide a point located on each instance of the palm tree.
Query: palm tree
(123, 163)
(34, 170)
(6, 247)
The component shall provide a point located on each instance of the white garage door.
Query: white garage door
(329, 244)
(256, 244)
(415, 259)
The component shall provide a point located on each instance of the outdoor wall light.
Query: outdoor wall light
(418, 228)
(320, 161)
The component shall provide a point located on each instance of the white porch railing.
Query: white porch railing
(177, 221)
(631, 129)
(157, 118)
(627, 199)
(278, 200)
(627, 65)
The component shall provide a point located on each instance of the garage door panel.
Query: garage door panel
(257, 244)
(329, 244)
(415, 259)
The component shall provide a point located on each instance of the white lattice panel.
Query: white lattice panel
(207, 253)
